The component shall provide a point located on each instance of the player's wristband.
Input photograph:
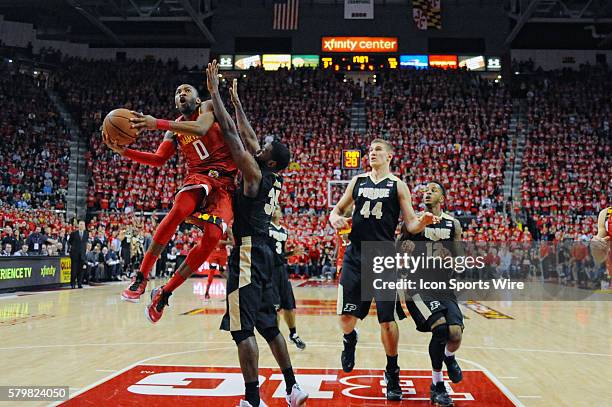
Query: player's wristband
(162, 124)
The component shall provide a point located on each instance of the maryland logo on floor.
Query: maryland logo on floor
(151, 385)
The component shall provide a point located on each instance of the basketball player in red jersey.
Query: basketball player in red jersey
(207, 188)
(600, 244)
(219, 258)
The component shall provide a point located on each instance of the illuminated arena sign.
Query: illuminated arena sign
(359, 44)
(443, 61)
(224, 387)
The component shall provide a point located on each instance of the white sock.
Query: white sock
(448, 353)
(437, 377)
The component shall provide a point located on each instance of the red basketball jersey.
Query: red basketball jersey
(206, 153)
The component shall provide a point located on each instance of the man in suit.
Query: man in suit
(78, 244)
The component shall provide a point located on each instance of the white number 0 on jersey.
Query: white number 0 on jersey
(200, 149)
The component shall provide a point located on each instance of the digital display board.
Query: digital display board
(359, 62)
(472, 63)
(271, 62)
(226, 62)
(309, 61)
(494, 64)
(414, 61)
(443, 61)
(351, 159)
(246, 61)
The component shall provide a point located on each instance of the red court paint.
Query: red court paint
(150, 385)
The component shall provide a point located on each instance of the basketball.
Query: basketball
(117, 126)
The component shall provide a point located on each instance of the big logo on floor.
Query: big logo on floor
(220, 387)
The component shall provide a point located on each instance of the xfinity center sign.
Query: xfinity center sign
(359, 44)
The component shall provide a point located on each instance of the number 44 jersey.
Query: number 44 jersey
(377, 209)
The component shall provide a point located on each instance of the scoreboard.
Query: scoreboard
(351, 159)
(359, 62)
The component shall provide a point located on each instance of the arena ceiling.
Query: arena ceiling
(133, 23)
(189, 23)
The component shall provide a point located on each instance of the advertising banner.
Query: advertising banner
(414, 61)
(472, 63)
(443, 61)
(246, 61)
(309, 61)
(33, 271)
(271, 62)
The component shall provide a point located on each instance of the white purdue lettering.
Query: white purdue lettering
(310, 383)
(279, 236)
(167, 384)
(374, 193)
(436, 234)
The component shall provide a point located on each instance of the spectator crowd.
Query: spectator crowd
(451, 126)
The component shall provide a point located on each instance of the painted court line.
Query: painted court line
(320, 344)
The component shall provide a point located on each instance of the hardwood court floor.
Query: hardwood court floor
(521, 353)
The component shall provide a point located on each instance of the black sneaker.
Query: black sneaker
(454, 370)
(394, 391)
(439, 396)
(297, 341)
(348, 354)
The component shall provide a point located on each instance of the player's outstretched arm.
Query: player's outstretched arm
(247, 134)
(336, 217)
(251, 174)
(412, 223)
(197, 128)
(600, 244)
(165, 150)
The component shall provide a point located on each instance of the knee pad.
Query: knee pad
(239, 336)
(269, 333)
(440, 333)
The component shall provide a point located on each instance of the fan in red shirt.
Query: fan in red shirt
(600, 244)
(204, 198)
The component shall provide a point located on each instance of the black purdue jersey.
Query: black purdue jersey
(377, 209)
(279, 236)
(252, 216)
(444, 231)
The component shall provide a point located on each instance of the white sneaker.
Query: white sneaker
(297, 398)
(244, 403)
